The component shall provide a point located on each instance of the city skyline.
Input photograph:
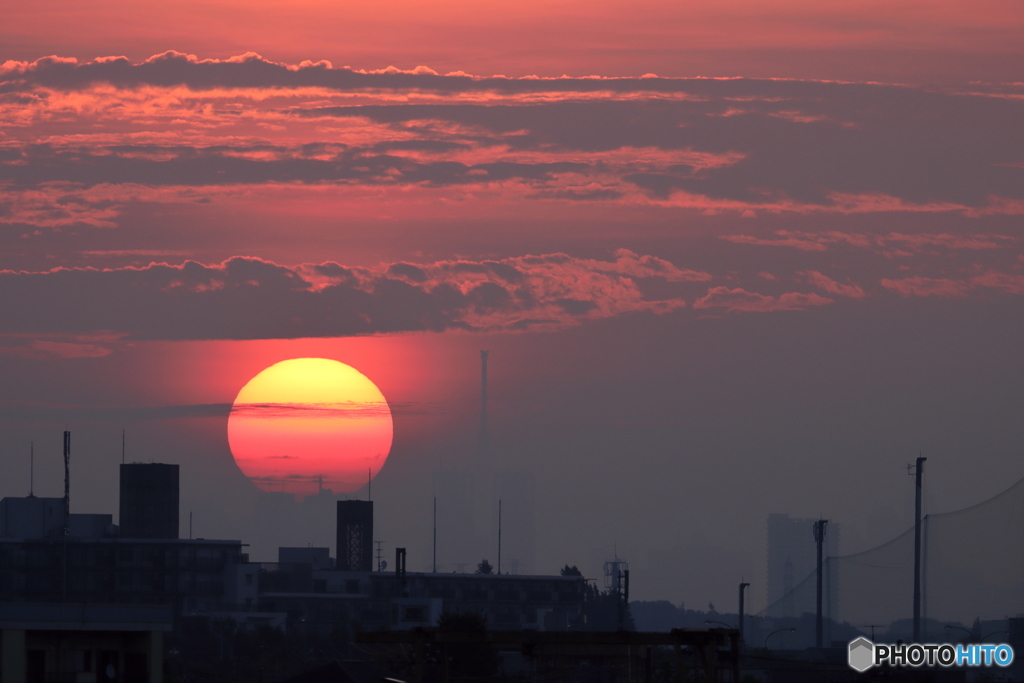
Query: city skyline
(729, 260)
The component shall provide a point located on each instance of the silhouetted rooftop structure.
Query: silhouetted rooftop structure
(149, 500)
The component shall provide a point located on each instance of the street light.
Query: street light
(791, 630)
(961, 628)
(719, 622)
(984, 637)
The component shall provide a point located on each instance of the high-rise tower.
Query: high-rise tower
(355, 535)
(149, 500)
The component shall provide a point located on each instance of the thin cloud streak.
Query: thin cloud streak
(349, 409)
(248, 298)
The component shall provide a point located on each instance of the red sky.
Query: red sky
(797, 246)
(864, 40)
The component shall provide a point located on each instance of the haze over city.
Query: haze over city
(728, 260)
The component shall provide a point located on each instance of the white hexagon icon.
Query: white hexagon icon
(862, 654)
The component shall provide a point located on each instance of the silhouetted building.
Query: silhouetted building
(118, 570)
(149, 501)
(355, 535)
(316, 558)
(381, 600)
(31, 517)
(82, 642)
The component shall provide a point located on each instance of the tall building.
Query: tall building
(355, 536)
(149, 501)
(792, 553)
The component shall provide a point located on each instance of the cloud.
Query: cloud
(740, 300)
(348, 409)
(249, 298)
(732, 144)
(1012, 284)
(59, 345)
(891, 245)
(832, 287)
(926, 286)
(71, 350)
(62, 413)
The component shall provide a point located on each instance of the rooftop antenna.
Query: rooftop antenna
(31, 469)
(122, 446)
(499, 535)
(485, 445)
(369, 484)
(435, 534)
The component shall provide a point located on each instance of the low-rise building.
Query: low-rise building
(82, 642)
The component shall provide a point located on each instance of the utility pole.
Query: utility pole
(918, 471)
(67, 508)
(819, 537)
(435, 534)
(742, 586)
(67, 481)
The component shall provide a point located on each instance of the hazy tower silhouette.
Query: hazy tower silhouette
(355, 535)
(485, 443)
(791, 553)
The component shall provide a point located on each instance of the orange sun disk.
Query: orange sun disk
(308, 423)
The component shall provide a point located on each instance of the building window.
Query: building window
(417, 614)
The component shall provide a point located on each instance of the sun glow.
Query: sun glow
(310, 423)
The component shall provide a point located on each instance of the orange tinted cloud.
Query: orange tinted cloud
(1010, 283)
(927, 286)
(806, 147)
(740, 300)
(862, 40)
(195, 301)
(832, 287)
(892, 244)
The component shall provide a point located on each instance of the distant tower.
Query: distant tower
(613, 574)
(791, 560)
(149, 500)
(355, 536)
(485, 442)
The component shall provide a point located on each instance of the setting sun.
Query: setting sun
(308, 423)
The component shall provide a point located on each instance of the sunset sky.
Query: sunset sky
(730, 258)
